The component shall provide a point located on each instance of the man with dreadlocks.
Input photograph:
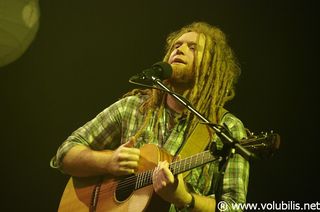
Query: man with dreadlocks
(204, 72)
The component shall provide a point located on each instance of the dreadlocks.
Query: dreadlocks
(216, 72)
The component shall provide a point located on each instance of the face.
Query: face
(182, 58)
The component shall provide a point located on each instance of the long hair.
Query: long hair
(216, 72)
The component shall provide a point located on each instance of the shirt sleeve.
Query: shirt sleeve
(236, 176)
(103, 131)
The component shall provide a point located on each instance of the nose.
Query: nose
(182, 49)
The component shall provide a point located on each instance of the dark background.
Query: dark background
(85, 52)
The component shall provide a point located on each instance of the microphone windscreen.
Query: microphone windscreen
(164, 70)
(159, 70)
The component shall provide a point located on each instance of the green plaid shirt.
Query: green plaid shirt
(117, 123)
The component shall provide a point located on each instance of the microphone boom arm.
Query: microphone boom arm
(221, 131)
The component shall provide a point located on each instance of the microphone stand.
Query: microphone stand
(220, 131)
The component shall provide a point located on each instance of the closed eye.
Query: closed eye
(177, 45)
(192, 46)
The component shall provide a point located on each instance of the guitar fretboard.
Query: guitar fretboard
(264, 143)
(177, 167)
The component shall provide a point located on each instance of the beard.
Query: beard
(182, 77)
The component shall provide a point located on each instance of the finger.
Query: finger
(155, 179)
(126, 170)
(130, 143)
(132, 150)
(129, 151)
(159, 181)
(129, 164)
(165, 172)
(162, 164)
(129, 157)
(168, 175)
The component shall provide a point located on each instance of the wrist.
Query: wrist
(189, 203)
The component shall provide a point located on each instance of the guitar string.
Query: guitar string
(128, 183)
(133, 179)
(175, 166)
(136, 179)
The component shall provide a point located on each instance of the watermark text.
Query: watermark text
(270, 206)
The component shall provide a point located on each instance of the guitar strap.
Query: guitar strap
(199, 139)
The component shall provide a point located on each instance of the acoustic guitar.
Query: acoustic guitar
(135, 192)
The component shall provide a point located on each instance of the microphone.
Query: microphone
(158, 71)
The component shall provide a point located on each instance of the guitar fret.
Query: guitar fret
(191, 162)
(143, 179)
(149, 177)
(138, 181)
(177, 167)
(146, 178)
(263, 146)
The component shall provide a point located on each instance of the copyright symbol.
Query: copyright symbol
(222, 206)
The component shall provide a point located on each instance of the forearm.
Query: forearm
(204, 203)
(199, 203)
(173, 189)
(82, 161)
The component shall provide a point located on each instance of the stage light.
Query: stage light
(19, 23)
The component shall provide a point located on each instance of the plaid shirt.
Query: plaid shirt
(117, 123)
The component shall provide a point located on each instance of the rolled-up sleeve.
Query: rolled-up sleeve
(103, 131)
(236, 176)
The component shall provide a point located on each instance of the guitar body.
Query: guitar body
(134, 193)
(101, 194)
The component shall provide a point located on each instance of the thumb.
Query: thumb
(130, 143)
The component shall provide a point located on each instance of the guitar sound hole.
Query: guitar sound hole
(125, 188)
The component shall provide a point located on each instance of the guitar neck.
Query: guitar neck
(177, 167)
(192, 162)
(264, 145)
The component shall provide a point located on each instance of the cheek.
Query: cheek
(191, 59)
(171, 56)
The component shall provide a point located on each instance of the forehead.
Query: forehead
(188, 37)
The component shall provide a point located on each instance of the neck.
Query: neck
(174, 105)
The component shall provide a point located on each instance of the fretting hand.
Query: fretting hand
(168, 187)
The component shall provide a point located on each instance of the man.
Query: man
(205, 72)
